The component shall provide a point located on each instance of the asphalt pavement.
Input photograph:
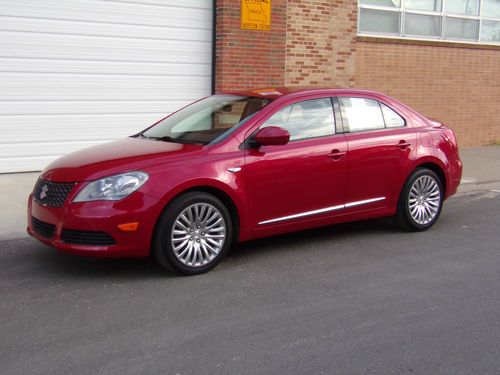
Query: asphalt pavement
(360, 298)
(357, 298)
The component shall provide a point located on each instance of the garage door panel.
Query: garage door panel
(160, 32)
(86, 86)
(51, 65)
(25, 163)
(71, 127)
(45, 45)
(115, 107)
(49, 148)
(185, 3)
(168, 14)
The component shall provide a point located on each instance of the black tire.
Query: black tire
(404, 217)
(163, 250)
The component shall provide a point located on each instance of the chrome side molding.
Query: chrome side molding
(322, 210)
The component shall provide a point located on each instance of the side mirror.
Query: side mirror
(271, 136)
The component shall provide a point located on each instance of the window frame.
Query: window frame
(345, 124)
(442, 14)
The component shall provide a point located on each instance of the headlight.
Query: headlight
(112, 188)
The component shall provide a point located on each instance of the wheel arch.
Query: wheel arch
(223, 193)
(225, 199)
(437, 169)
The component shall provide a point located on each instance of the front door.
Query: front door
(304, 179)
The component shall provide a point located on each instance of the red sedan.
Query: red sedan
(238, 166)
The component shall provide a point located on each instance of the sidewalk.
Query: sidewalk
(481, 172)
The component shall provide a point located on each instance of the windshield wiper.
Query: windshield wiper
(167, 138)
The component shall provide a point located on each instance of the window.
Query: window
(461, 20)
(206, 120)
(360, 114)
(391, 118)
(307, 119)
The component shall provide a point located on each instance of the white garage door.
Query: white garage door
(75, 73)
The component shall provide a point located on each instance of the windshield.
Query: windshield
(204, 121)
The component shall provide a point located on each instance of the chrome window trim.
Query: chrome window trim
(322, 210)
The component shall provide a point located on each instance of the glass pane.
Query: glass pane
(382, 3)
(490, 31)
(469, 7)
(392, 119)
(307, 119)
(461, 28)
(418, 24)
(205, 120)
(429, 5)
(491, 8)
(360, 114)
(379, 21)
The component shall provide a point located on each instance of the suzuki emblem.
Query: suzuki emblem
(44, 191)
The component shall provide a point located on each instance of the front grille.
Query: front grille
(52, 194)
(42, 228)
(83, 237)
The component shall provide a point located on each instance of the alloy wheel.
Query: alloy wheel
(424, 199)
(198, 234)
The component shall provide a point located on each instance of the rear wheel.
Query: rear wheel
(421, 201)
(193, 234)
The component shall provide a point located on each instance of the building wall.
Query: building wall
(314, 43)
(249, 58)
(458, 86)
(321, 43)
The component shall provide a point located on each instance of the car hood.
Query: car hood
(117, 157)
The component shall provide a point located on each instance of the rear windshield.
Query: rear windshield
(207, 120)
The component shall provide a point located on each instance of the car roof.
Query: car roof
(282, 91)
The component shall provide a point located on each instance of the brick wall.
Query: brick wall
(459, 86)
(314, 43)
(249, 58)
(320, 43)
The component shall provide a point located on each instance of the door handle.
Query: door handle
(336, 154)
(403, 144)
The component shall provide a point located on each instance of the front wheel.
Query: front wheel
(193, 234)
(421, 201)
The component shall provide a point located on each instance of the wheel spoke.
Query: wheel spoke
(214, 223)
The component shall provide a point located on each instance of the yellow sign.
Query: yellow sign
(256, 14)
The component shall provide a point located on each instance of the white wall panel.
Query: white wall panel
(75, 73)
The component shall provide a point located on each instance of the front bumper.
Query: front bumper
(103, 217)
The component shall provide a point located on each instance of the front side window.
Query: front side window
(206, 120)
(461, 20)
(307, 119)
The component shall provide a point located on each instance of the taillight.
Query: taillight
(450, 137)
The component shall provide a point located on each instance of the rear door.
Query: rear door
(380, 143)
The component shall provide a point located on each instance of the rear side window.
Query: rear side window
(308, 119)
(392, 119)
(361, 114)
